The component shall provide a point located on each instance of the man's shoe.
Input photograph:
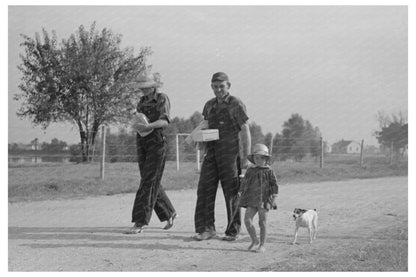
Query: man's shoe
(204, 236)
(170, 221)
(230, 238)
(136, 229)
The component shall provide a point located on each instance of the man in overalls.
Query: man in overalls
(221, 163)
(151, 153)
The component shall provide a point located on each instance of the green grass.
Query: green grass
(58, 180)
(40, 182)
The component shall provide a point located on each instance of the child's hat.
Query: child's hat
(259, 149)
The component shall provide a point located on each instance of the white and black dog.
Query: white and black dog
(308, 219)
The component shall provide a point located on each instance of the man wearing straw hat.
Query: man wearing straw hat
(222, 162)
(151, 152)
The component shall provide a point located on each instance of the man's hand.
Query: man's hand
(143, 127)
(245, 163)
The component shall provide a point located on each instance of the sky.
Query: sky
(336, 66)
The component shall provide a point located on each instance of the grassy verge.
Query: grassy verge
(52, 181)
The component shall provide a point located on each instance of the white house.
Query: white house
(346, 147)
(327, 147)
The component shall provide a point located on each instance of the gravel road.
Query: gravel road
(87, 234)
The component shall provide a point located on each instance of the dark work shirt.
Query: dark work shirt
(235, 107)
(158, 103)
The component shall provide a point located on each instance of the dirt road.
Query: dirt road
(87, 234)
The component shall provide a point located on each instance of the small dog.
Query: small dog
(308, 219)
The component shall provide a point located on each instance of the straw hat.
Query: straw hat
(146, 79)
(259, 149)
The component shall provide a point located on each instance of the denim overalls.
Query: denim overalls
(151, 154)
(219, 164)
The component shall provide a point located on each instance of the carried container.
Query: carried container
(142, 119)
(206, 135)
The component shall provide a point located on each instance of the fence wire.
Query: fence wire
(181, 152)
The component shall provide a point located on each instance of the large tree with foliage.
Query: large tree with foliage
(268, 141)
(256, 133)
(87, 80)
(393, 131)
(298, 138)
(56, 146)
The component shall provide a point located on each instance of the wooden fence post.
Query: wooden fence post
(178, 149)
(321, 160)
(362, 153)
(177, 152)
(391, 153)
(102, 163)
(198, 158)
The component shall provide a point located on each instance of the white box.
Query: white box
(206, 135)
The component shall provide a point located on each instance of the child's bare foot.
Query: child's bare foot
(252, 245)
(261, 249)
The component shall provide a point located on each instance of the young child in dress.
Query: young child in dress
(258, 191)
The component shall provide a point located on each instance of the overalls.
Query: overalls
(151, 153)
(220, 164)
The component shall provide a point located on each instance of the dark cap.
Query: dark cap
(219, 76)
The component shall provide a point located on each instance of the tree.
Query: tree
(256, 133)
(87, 80)
(312, 136)
(299, 137)
(268, 141)
(13, 147)
(394, 131)
(35, 143)
(277, 146)
(195, 119)
(56, 146)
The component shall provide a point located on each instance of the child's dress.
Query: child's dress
(257, 187)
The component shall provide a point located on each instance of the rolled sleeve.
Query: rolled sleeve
(205, 112)
(207, 107)
(164, 108)
(239, 113)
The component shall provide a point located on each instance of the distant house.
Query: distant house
(23, 146)
(327, 147)
(346, 147)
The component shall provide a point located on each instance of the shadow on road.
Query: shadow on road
(113, 237)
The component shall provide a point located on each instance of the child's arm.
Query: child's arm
(274, 190)
(273, 184)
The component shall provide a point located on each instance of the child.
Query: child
(258, 192)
